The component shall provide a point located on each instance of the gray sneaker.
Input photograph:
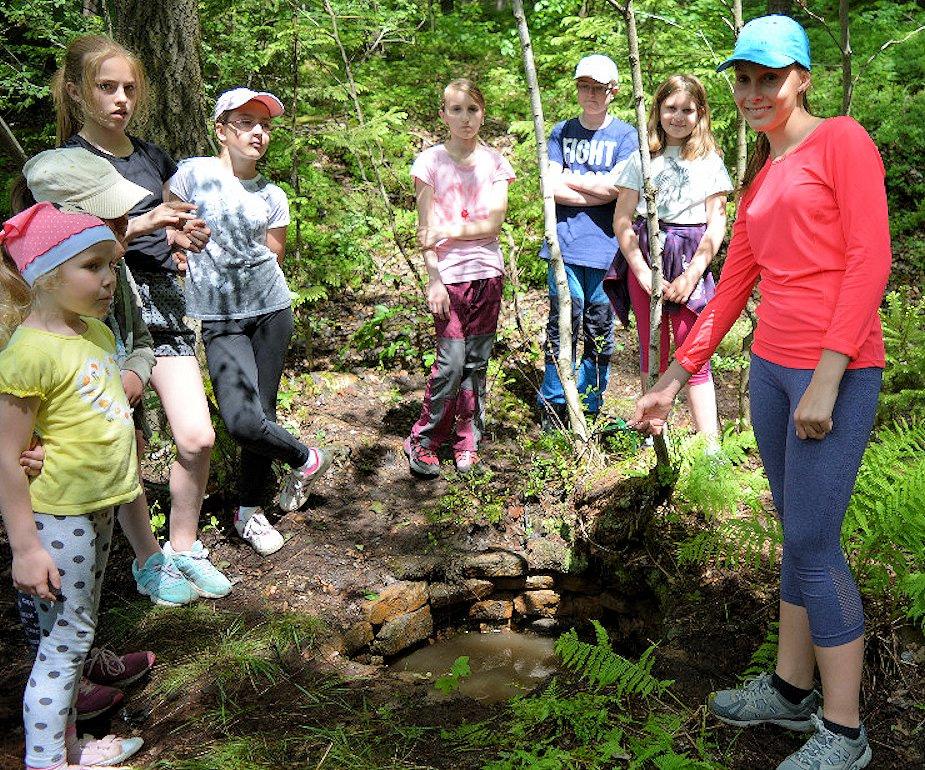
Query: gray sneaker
(829, 751)
(759, 702)
(299, 482)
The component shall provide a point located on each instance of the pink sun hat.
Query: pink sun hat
(41, 238)
(238, 97)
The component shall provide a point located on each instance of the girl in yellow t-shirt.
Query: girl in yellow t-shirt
(59, 378)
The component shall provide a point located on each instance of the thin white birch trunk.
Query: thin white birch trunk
(649, 191)
(564, 364)
(741, 141)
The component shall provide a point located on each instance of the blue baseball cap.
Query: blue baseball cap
(771, 41)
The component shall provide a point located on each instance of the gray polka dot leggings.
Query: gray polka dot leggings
(79, 546)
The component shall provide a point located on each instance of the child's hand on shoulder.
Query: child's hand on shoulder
(35, 573)
(438, 299)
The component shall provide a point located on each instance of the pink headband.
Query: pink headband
(42, 237)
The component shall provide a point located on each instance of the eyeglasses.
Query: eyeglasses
(593, 90)
(247, 125)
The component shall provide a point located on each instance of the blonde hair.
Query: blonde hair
(16, 296)
(466, 86)
(82, 61)
(701, 140)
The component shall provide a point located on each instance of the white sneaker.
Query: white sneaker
(262, 536)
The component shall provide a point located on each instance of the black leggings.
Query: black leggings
(245, 358)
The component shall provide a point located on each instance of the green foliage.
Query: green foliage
(765, 657)
(602, 667)
(903, 392)
(884, 529)
(449, 682)
(475, 496)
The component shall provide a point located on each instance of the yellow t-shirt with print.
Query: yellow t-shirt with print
(83, 417)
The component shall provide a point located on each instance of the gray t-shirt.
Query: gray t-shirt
(683, 185)
(236, 275)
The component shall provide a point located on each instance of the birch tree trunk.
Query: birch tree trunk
(741, 139)
(166, 36)
(9, 142)
(847, 84)
(564, 364)
(649, 191)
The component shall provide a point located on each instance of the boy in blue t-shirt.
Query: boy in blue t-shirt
(583, 152)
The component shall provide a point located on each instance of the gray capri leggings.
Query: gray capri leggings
(811, 482)
(79, 546)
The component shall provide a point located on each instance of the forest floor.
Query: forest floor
(216, 699)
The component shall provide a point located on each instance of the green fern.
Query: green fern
(884, 529)
(750, 541)
(764, 658)
(601, 667)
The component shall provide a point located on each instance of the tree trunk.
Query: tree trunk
(649, 190)
(741, 138)
(565, 365)
(9, 142)
(166, 36)
(847, 85)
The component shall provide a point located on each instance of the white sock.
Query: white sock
(245, 512)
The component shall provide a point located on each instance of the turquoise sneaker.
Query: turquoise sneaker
(195, 566)
(160, 579)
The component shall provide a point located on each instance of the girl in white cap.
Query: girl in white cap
(97, 91)
(813, 230)
(59, 376)
(236, 286)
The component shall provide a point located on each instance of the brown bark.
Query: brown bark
(564, 364)
(166, 36)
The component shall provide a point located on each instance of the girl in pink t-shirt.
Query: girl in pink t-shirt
(461, 190)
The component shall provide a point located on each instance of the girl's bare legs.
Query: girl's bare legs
(178, 382)
(135, 518)
(840, 667)
(701, 398)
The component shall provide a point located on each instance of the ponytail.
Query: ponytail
(20, 196)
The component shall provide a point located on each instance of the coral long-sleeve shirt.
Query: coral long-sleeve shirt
(813, 229)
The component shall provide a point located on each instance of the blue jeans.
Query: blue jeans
(811, 482)
(592, 315)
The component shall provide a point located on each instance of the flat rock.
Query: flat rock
(397, 599)
(416, 567)
(492, 609)
(546, 554)
(404, 631)
(539, 582)
(449, 594)
(493, 564)
(537, 603)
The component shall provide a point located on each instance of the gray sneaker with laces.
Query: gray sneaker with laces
(829, 751)
(759, 702)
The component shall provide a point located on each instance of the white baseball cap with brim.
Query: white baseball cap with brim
(77, 180)
(597, 67)
(238, 97)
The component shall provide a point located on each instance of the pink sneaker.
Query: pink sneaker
(105, 752)
(466, 459)
(107, 668)
(95, 699)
